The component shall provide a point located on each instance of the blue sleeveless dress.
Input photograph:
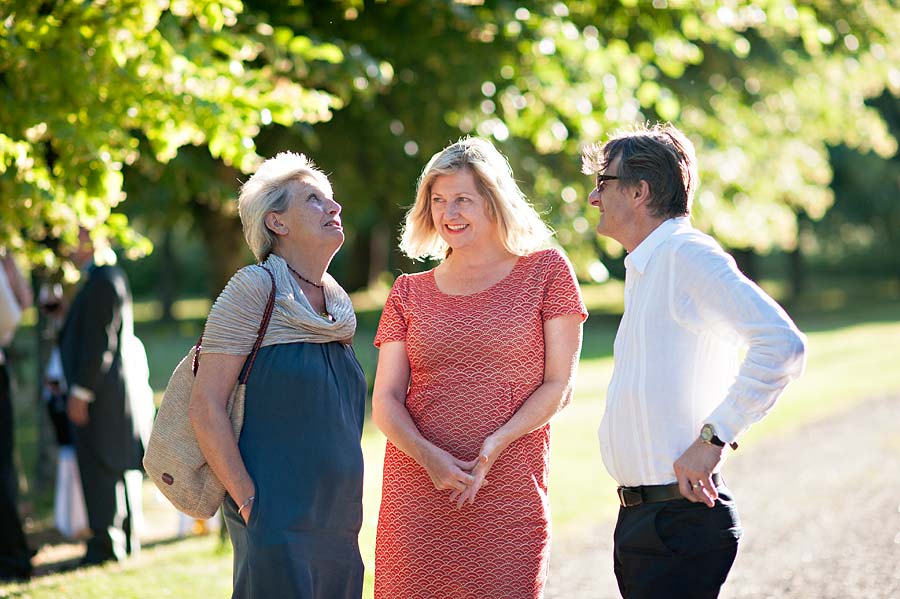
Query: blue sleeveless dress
(301, 445)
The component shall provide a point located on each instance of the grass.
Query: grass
(854, 346)
(195, 567)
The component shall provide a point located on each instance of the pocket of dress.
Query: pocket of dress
(254, 513)
(231, 510)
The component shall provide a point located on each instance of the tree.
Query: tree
(762, 88)
(862, 230)
(87, 86)
(372, 146)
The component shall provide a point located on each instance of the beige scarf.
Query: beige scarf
(235, 316)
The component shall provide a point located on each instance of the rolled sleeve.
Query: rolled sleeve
(719, 297)
(760, 383)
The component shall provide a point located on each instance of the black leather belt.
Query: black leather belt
(632, 496)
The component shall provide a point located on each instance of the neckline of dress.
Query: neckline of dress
(505, 278)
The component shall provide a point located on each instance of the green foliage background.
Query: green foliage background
(159, 109)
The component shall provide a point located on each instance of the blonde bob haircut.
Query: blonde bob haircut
(269, 190)
(521, 229)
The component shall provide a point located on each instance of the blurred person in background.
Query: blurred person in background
(15, 296)
(701, 354)
(107, 427)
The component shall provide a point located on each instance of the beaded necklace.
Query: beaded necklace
(324, 314)
(291, 268)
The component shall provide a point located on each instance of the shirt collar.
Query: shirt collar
(640, 257)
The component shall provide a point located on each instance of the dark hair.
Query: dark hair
(661, 155)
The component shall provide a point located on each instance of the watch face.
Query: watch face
(707, 432)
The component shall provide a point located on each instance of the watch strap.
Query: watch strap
(717, 441)
(714, 439)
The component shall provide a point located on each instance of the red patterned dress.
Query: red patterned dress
(474, 360)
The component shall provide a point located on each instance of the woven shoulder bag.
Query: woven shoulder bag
(173, 458)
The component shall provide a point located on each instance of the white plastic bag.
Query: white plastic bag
(69, 510)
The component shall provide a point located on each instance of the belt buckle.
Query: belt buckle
(629, 497)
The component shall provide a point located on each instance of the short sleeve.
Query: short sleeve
(562, 295)
(234, 318)
(392, 326)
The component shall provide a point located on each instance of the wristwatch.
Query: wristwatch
(708, 436)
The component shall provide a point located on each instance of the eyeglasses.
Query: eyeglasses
(602, 178)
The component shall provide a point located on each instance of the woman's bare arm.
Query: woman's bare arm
(217, 375)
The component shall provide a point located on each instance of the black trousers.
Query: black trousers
(676, 549)
(15, 557)
(109, 512)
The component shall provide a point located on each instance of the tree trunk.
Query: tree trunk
(353, 273)
(747, 262)
(796, 274)
(379, 252)
(224, 240)
(168, 276)
(796, 264)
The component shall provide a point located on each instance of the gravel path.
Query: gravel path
(821, 514)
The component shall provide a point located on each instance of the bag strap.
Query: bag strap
(263, 327)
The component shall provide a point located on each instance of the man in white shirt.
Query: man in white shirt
(701, 354)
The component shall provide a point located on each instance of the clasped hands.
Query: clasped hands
(463, 479)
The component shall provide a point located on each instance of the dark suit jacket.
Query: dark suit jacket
(90, 345)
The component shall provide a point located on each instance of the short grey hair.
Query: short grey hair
(269, 190)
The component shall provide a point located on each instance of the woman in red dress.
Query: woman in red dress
(476, 356)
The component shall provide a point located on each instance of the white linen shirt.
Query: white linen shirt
(698, 343)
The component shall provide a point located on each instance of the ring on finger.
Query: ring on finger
(696, 485)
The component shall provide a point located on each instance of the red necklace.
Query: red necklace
(302, 278)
